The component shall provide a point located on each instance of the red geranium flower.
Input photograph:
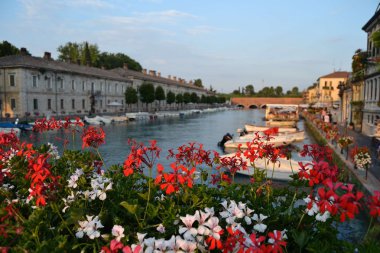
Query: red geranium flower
(93, 137)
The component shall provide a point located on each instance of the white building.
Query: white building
(371, 111)
(44, 87)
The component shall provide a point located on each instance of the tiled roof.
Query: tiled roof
(44, 64)
(127, 73)
(338, 74)
(120, 74)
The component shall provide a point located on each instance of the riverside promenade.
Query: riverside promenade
(372, 183)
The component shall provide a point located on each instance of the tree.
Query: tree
(7, 48)
(278, 91)
(194, 97)
(159, 93)
(359, 64)
(146, 91)
(186, 97)
(203, 99)
(179, 98)
(236, 92)
(111, 61)
(170, 98)
(249, 90)
(198, 83)
(83, 53)
(131, 96)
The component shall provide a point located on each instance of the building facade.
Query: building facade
(35, 86)
(327, 88)
(371, 110)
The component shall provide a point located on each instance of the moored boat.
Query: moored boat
(254, 128)
(283, 123)
(281, 170)
(280, 140)
(297, 136)
(8, 130)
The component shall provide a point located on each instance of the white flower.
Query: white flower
(161, 228)
(187, 246)
(118, 231)
(323, 217)
(188, 232)
(89, 227)
(260, 226)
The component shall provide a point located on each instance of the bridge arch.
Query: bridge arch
(253, 107)
(240, 106)
(264, 106)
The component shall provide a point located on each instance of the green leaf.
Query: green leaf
(130, 208)
(144, 195)
(301, 238)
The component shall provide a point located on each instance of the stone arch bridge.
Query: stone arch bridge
(260, 102)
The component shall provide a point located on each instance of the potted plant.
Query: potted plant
(361, 158)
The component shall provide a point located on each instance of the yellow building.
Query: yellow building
(327, 88)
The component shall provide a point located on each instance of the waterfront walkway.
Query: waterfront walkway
(372, 183)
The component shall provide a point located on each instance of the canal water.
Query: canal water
(170, 133)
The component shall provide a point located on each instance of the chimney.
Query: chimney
(159, 74)
(174, 78)
(23, 51)
(47, 56)
(152, 72)
(125, 66)
(169, 77)
(144, 71)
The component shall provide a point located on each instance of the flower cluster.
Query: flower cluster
(43, 125)
(93, 137)
(345, 141)
(171, 182)
(89, 227)
(361, 157)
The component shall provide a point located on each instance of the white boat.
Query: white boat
(282, 112)
(282, 169)
(288, 123)
(297, 136)
(254, 128)
(280, 140)
(8, 130)
(97, 120)
(137, 115)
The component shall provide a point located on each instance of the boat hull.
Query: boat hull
(253, 128)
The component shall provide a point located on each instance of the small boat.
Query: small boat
(297, 136)
(7, 130)
(280, 140)
(254, 128)
(273, 123)
(21, 126)
(97, 120)
(137, 115)
(282, 169)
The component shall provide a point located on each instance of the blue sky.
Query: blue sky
(225, 43)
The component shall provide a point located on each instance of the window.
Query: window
(101, 86)
(101, 103)
(325, 83)
(12, 80)
(34, 81)
(35, 104)
(330, 83)
(48, 81)
(72, 84)
(49, 104)
(61, 84)
(83, 85)
(13, 103)
(73, 103)
(92, 87)
(109, 88)
(83, 103)
(116, 88)
(62, 104)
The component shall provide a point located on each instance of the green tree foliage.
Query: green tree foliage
(249, 90)
(111, 61)
(376, 38)
(221, 99)
(359, 64)
(212, 99)
(170, 98)
(179, 98)
(131, 96)
(146, 91)
(194, 97)
(198, 83)
(203, 99)
(186, 97)
(7, 48)
(236, 92)
(83, 53)
(159, 93)
(278, 91)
